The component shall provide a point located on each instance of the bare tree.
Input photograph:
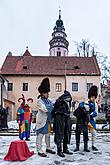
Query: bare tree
(85, 49)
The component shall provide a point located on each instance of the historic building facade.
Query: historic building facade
(25, 73)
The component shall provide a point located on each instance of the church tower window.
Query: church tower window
(58, 53)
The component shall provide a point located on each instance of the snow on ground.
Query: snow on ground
(101, 157)
(14, 125)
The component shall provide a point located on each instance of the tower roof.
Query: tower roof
(59, 24)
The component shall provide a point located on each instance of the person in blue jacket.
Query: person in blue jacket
(93, 110)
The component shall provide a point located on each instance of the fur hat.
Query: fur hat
(44, 86)
(93, 92)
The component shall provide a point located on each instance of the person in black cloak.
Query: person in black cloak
(62, 123)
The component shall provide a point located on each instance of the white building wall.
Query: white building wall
(34, 82)
(82, 81)
(53, 51)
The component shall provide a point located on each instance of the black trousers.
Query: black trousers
(64, 141)
(85, 135)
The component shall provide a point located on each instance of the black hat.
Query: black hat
(44, 86)
(93, 91)
(66, 95)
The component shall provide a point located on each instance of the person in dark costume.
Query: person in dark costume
(85, 114)
(82, 116)
(62, 123)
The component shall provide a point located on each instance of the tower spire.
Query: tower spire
(59, 13)
(59, 43)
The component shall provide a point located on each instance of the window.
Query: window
(58, 53)
(76, 67)
(89, 85)
(10, 86)
(74, 86)
(25, 67)
(25, 86)
(58, 87)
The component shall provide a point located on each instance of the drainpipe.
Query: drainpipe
(1, 97)
(65, 73)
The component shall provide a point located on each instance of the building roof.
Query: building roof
(49, 65)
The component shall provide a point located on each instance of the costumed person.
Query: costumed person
(82, 116)
(43, 118)
(93, 111)
(62, 123)
(24, 118)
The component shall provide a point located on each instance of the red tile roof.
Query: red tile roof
(49, 65)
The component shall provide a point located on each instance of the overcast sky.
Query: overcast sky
(30, 23)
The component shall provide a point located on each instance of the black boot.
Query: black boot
(86, 147)
(27, 139)
(42, 154)
(94, 148)
(65, 149)
(59, 151)
(78, 132)
(50, 151)
(67, 152)
(61, 154)
(77, 148)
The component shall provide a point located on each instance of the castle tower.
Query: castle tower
(58, 43)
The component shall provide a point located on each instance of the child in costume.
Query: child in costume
(24, 118)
